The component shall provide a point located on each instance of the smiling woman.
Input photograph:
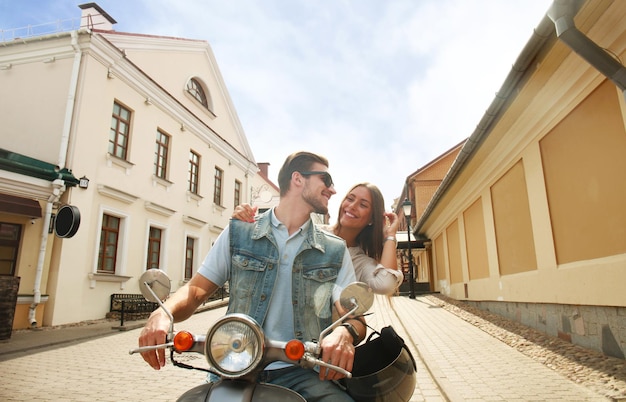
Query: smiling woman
(370, 234)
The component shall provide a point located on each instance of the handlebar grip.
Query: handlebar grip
(142, 349)
(322, 363)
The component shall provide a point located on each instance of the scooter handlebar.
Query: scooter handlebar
(142, 349)
(312, 361)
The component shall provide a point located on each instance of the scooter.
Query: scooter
(237, 349)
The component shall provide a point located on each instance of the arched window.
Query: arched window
(195, 89)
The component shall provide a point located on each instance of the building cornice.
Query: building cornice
(96, 45)
(121, 67)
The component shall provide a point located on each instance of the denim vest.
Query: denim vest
(255, 259)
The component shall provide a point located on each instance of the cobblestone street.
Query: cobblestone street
(100, 369)
(462, 354)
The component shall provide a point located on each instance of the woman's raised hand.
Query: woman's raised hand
(391, 226)
(245, 212)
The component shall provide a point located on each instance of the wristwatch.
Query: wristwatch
(356, 339)
(391, 238)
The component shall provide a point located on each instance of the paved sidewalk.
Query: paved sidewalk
(468, 364)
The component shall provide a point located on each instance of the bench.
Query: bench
(133, 305)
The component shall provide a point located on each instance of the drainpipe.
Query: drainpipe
(71, 97)
(58, 185)
(562, 13)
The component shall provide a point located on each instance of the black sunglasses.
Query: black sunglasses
(326, 178)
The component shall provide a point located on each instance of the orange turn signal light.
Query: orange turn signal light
(183, 341)
(294, 349)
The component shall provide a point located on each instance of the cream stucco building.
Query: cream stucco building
(529, 222)
(148, 121)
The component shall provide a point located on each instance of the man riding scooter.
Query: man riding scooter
(286, 274)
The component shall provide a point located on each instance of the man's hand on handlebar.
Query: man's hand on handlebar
(155, 333)
(337, 349)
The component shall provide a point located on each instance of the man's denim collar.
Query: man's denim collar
(313, 235)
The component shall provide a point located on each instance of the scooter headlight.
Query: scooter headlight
(235, 345)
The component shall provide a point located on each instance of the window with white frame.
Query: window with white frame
(120, 131)
(195, 89)
(194, 172)
(217, 186)
(155, 237)
(237, 193)
(161, 154)
(190, 246)
(109, 244)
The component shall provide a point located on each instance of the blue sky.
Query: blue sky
(380, 87)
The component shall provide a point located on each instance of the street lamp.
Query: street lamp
(406, 209)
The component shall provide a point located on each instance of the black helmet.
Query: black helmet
(383, 369)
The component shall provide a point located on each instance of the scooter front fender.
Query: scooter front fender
(240, 391)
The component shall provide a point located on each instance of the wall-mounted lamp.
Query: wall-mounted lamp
(53, 218)
(148, 101)
(6, 66)
(49, 60)
(83, 182)
(110, 74)
(182, 127)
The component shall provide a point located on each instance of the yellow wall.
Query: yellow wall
(454, 253)
(537, 212)
(28, 253)
(511, 212)
(477, 262)
(427, 180)
(22, 311)
(440, 263)
(584, 161)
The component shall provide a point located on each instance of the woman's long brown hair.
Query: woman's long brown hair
(370, 239)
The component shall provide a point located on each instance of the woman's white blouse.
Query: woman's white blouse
(382, 280)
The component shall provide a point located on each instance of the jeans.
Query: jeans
(303, 381)
(307, 383)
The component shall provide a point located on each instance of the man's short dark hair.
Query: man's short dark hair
(297, 162)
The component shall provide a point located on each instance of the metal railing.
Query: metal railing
(48, 28)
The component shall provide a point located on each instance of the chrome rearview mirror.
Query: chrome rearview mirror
(359, 295)
(155, 285)
(356, 299)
